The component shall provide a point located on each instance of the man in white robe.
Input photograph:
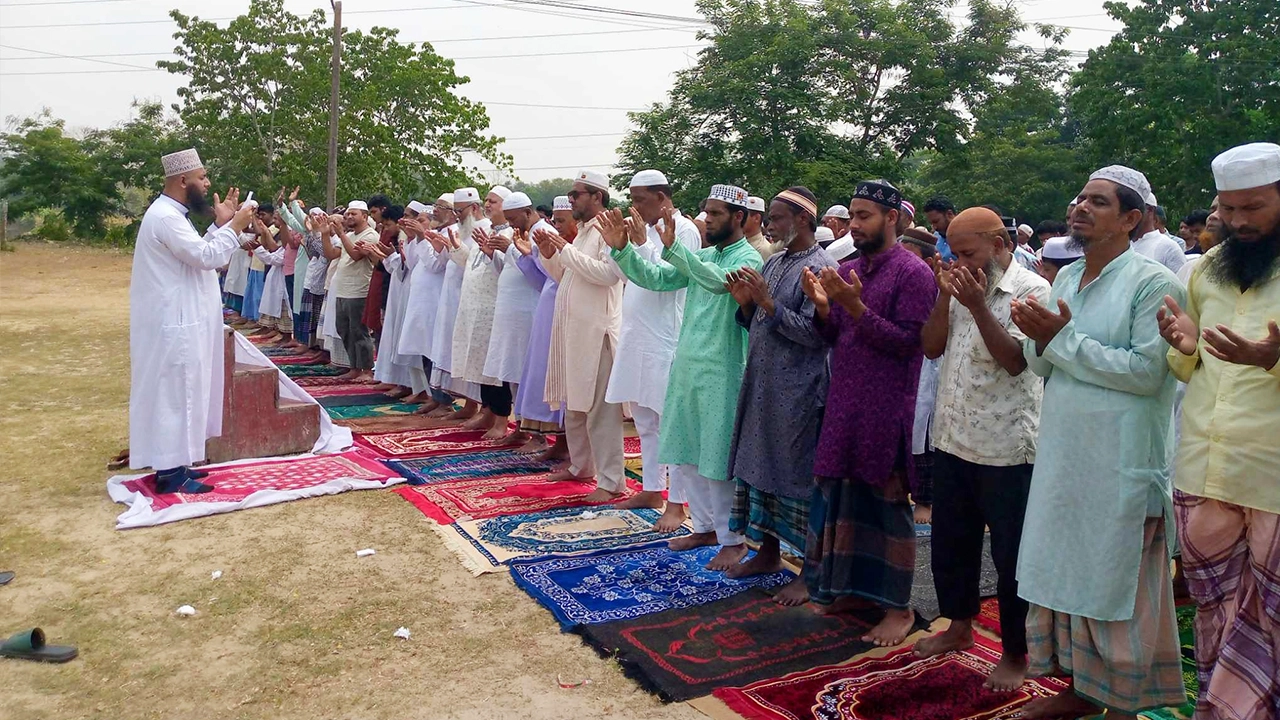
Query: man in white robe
(175, 325)
(474, 325)
(427, 281)
(466, 203)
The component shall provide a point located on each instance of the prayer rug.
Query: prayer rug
(391, 423)
(364, 411)
(308, 382)
(335, 390)
(631, 447)
(364, 398)
(486, 497)
(486, 545)
(898, 686)
(491, 463)
(249, 484)
(989, 616)
(924, 597)
(299, 371)
(1186, 637)
(293, 360)
(688, 652)
(610, 585)
(427, 443)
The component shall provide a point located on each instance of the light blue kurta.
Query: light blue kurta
(1105, 441)
(711, 355)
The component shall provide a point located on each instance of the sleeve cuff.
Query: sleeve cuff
(1182, 366)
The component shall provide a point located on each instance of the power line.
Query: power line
(564, 137)
(59, 56)
(579, 52)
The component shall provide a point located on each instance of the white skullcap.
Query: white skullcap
(1025, 228)
(731, 194)
(1247, 166)
(824, 234)
(755, 204)
(183, 161)
(317, 210)
(358, 205)
(445, 200)
(500, 191)
(516, 201)
(1059, 248)
(430, 209)
(702, 217)
(416, 206)
(594, 179)
(466, 195)
(561, 202)
(648, 178)
(1126, 177)
(836, 211)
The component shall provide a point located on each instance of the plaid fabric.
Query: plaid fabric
(861, 541)
(1231, 556)
(283, 323)
(1125, 665)
(756, 514)
(924, 478)
(234, 302)
(309, 317)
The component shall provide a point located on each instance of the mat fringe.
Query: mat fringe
(461, 549)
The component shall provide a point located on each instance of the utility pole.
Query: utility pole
(331, 187)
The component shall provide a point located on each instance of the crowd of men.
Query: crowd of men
(802, 396)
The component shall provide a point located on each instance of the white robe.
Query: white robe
(474, 326)
(442, 332)
(275, 298)
(512, 316)
(175, 337)
(237, 274)
(427, 270)
(386, 369)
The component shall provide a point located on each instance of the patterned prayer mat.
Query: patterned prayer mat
(251, 484)
(352, 400)
(486, 497)
(688, 652)
(427, 443)
(924, 597)
(491, 463)
(989, 616)
(392, 423)
(1187, 637)
(308, 382)
(485, 546)
(299, 371)
(610, 585)
(899, 686)
(365, 411)
(284, 360)
(631, 447)
(335, 390)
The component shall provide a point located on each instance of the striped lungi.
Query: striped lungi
(757, 513)
(1231, 557)
(309, 317)
(1125, 665)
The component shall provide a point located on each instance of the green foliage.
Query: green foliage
(46, 168)
(543, 192)
(51, 226)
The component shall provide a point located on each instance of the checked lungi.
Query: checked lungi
(1231, 557)
(309, 318)
(757, 513)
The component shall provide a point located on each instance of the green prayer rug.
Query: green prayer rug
(351, 412)
(1187, 638)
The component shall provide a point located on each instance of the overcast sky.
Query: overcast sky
(635, 70)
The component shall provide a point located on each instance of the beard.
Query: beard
(196, 201)
(994, 274)
(1244, 264)
(466, 225)
(724, 233)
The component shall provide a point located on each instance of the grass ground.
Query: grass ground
(297, 627)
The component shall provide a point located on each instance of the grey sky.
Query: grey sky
(79, 92)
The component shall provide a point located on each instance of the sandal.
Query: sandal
(120, 461)
(5, 576)
(29, 645)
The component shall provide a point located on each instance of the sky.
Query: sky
(594, 66)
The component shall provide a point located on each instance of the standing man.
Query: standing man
(351, 285)
(939, 211)
(536, 415)
(466, 203)
(836, 219)
(775, 431)
(1094, 560)
(1153, 243)
(427, 271)
(584, 341)
(862, 541)
(984, 435)
(647, 344)
(1226, 346)
(755, 228)
(474, 325)
(706, 375)
(175, 325)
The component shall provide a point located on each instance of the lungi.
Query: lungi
(309, 318)
(757, 513)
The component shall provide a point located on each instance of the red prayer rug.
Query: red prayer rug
(486, 497)
(394, 423)
(631, 447)
(899, 686)
(989, 616)
(332, 390)
(249, 484)
(427, 442)
(308, 382)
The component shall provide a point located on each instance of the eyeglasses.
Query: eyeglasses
(574, 194)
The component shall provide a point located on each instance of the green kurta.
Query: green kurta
(702, 396)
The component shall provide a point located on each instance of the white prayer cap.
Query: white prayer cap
(358, 205)
(416, 206)
(648, 178)
(466, 195)
(1025, 228)
(836, 211)
(430, 209)
(755, 204)
(317, 210)
(593, 179)
(702, 217)
(500, 191)
(1059, 248)
(561, 202)
(516, 201)
(1247, 166)
(731, 194)
(446, 200)
(824, 235)
(1127, 177)
(183, 161)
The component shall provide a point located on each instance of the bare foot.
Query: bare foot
(762, 564)
(600, 495)
(513, 439)
(893, 629)
(729, 557)
(536, 444)
(844, 604)
(1008, 675)
(445, 412)
(479, 421)
(496, 433)
(691, 541)
(366, 377)
(793, 594)
(466, 412)
(416, 398)
(351, 374)
(562, 465)
(428, 405)
(957, 636)
(643, 499)
(386, 387)
(563, 475)
(1066, 704)
(672, 518)
(401, 394)
(923, 514)
(557, 451)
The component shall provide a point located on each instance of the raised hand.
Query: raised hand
(739, 288)
(499, 243)
(841, 291)
(813, 289)
(759, 287)
(1176, 327)
(613, 228)
(1229, 346)
(1039, 322)
(549, 243)
(438, 242)
(969, 289)
(411, 227)
(294, 195)
(942, 275)
(225, 209)
(522, 242)
(636, 228)
(667, 230)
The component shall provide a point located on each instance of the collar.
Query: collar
(1077, 268)
(185, 210)
(1006, 284)
(870, 266)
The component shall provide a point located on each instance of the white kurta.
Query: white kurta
(386, 369)
(175, 337)
(426, 282)
(512, 315)
(442, 332)
(275, 298)
(474, 325)
(237, 273)
(650, 328)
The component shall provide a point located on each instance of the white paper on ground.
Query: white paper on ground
(217, 574)
(365, 552)
(186, 611)
(402, 633)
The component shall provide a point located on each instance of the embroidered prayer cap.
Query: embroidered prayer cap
(648, 178)
(183, 161)
(908, 208)
(466, 195)
(879, 192)
(416, 206)
(790, 195)
(446, 200)
(1247, 166)
(824, 235)
(561, 202)
(755, 204)
(1126, 177)
(593, 178)
(500, 191)
(516, 201)
(975, 221)
(920, 236)
(358, 205)
(731, 194)
(836, 211)
(1059, 248)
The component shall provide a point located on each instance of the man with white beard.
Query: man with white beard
(466, 203)
(427, 270)
(474, 325)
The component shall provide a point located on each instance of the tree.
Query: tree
(45, 168)
(257, 101)
(1183, 81)
(544, 191)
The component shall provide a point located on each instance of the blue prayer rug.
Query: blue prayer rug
(489, 463)
(627, 583)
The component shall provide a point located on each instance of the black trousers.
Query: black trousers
(353, 333)
(967, 498)
(497, 398)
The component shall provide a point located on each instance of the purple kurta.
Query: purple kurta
(875, 369)
(529, 404)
